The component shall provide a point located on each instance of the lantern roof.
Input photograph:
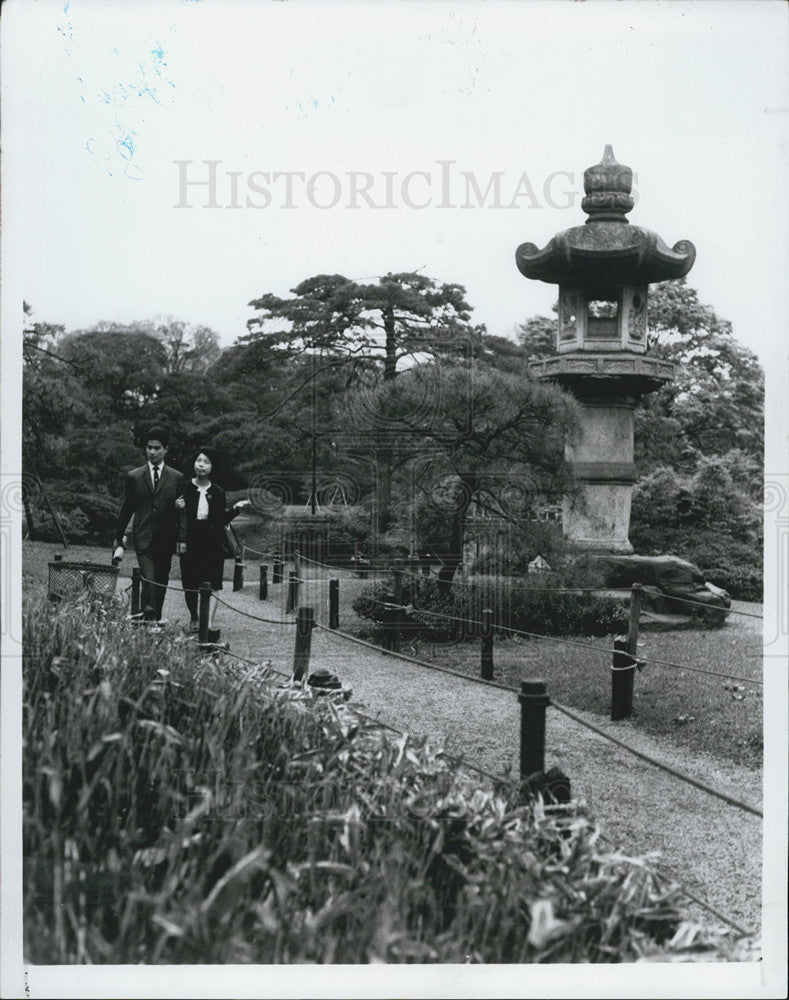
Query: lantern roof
(607, 250)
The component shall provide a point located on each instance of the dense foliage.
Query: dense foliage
(385, 393)
(536, 605)
(708, 518)
(178, 810)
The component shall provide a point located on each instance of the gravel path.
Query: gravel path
(712, 848)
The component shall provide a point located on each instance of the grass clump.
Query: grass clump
(177, 810)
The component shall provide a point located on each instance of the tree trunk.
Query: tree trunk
(385, 461)
(455, 556)
(385, 455)
(390, 345)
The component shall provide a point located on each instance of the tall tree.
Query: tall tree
(487, 436)
(716, 400)
(400, 316)
(375, 328)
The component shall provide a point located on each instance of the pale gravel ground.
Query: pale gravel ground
(712, 848)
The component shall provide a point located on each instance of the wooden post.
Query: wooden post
(623, 666)
(297, 562)
(305, 621)
(636, 601)
(204, 605)
(276, 573)
(533, 700)
(263, 592)
(334, 604)
(390, 614)
(486, 664)
(399, 615)
(238, 573)
(293, 592)
(135, 590)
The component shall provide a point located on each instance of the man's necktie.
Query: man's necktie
(155, 478)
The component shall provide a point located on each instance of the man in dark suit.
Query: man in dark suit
(151, 492)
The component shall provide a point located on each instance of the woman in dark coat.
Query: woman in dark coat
(204, 510)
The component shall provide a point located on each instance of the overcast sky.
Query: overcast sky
(527, 94)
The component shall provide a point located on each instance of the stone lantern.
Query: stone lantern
(603, 269)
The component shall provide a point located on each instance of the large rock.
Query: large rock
(674, 586)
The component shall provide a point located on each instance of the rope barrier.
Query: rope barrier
(478, 680)
(670, 878)
(504, 687)
(704, 904)
(572, 642)
(166, 586)
(701, 604)
(257, 618)
(411, 659)
(472, 621)
(701, 670)
(592, 590)
(248, 548)
(663, 767)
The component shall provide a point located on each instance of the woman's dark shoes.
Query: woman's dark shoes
(213, 635)
(194, 625)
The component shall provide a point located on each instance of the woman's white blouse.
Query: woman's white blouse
(202, 501)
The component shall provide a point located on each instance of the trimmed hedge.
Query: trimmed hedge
(536, 605)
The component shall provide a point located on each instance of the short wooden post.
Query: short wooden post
(135, 590)
(305, 620)
(276, 571)
(238, 573)
(204, 605)
(399, 617)
(533, 700)
(390, 613)
(623, 666)
(486, 664)
(263, 592)
(293, 592)
(636, 601)
(334, 604)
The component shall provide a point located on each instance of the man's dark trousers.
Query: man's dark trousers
(154, 565)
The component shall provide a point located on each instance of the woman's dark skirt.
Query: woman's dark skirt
(203, 560)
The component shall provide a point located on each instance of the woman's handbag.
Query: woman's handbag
(231, 547)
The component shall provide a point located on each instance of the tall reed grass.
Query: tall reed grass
(177, 809)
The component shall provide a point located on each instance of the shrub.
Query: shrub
(709, 518)
(177, 810)
(528, 605)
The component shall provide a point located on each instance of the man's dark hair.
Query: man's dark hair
(157, 434)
